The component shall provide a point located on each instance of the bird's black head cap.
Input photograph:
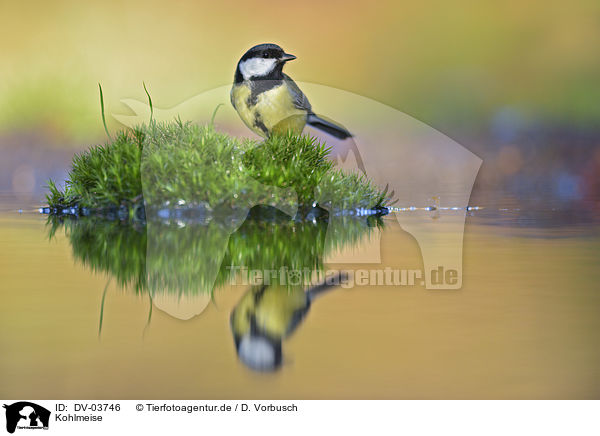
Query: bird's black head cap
(264, 51)
(267, 52)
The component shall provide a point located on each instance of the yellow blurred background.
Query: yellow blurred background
(452, 65)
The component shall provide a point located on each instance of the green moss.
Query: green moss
(175, 164)
(105, 175)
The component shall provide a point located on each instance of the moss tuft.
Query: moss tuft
(184, 164)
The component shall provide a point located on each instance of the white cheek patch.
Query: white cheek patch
(257, 67)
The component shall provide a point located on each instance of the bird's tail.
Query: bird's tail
(323, 287)
(328, 127)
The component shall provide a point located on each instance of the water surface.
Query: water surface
(524, 324)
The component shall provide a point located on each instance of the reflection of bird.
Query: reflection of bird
(268, 100)
(265, 316)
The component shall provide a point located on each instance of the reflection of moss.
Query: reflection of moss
(112, 247)
(282, 245)
(180, 163)
(196, 258)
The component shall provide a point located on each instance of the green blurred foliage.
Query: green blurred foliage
(447, 63)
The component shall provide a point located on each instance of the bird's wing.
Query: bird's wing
(300, 100)
(231, 97)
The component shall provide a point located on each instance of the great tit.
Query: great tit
(267, 100)
(268, 314)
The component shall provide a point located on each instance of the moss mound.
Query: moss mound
(178, 165)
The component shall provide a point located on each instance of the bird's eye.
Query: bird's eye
(265, 55)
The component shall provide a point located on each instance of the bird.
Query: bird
(268, 314)
(268, 100)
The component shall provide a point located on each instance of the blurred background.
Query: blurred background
(515, 82)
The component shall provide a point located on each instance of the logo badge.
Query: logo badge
(26, 415)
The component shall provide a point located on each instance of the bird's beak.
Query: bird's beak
(287, 57)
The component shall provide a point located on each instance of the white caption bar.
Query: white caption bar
(292, 417)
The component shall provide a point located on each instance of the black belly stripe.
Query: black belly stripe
(257, 87)
(259, 124)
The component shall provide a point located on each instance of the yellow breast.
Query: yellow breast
(274, 110)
